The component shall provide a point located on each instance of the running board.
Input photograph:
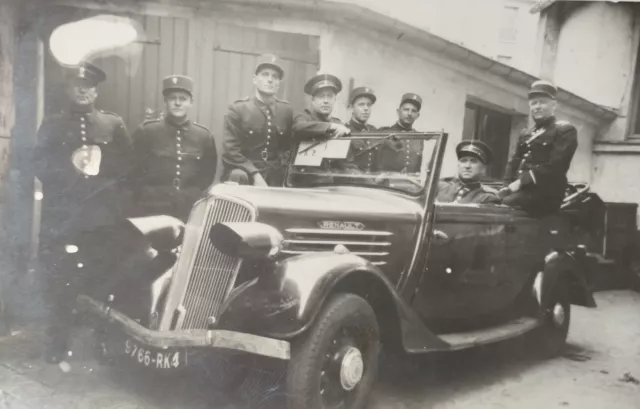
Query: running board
(511, 329)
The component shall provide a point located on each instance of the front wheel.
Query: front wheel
(335, 364)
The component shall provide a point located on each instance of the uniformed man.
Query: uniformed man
(82, 158)
(473, 158)
(535, 177)
(361, 101)
(257, 130)
(404, 155)
(176, 157)
(316, 124)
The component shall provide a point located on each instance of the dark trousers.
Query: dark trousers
(72, 265)
(273, 176)
(537, 202)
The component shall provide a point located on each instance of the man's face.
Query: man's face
(323, 100)
(542, 107)
(407, 114)
(470, 168)
(362, 109)
(178, 103)
(82, 92)
(267, 81)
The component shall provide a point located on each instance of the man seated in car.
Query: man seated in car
(473, 158)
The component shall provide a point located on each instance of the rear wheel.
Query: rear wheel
(550, 339)
(335, 364)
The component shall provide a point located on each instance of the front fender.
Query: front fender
(568, 267)
(285, 303)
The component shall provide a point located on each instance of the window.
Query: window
(508, 25)
(494, 129)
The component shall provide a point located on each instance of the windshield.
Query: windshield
(397, 161)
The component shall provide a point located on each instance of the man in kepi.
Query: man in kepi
(82, 158)
(176, 157)
(361, 102)
(317, 122)
(257, 130)
(535, 177)
(473, 158)
(404, 155)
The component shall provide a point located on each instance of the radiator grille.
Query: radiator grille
(212, 274)
(371, 245)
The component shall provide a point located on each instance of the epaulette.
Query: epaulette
(564, 124)
(283, 101)
(110, 113)
(201, 126)
(150, 121)
(245, 99)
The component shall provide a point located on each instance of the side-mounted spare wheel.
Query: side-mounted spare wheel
(335, 363)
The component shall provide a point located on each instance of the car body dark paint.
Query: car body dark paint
(285, 303)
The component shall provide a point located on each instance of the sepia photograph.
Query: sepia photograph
(319, 204)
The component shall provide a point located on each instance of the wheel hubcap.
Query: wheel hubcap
(351, 368)
(558, 315)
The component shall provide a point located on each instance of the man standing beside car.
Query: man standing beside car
(535, 177)
(82, 158)
(404, 156)
(176, 157)
(257, 130)
(473, 158)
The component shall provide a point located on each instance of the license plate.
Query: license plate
(155, 358)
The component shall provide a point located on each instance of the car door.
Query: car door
(466, 266)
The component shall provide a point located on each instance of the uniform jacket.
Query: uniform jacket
(401, 156)
(309, 125)
(72, 201)
(542, 156)
(456, 191)
(256, 136)
(175, 164)
(368, 161)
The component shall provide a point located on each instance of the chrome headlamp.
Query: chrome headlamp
(247, 240)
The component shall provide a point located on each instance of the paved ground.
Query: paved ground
(599, 370)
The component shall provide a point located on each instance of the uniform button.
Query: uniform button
(83, 132)
(83, 125)
(178, 172)
(269, 123)
(84, 139)
(82, 118)
(179, 157)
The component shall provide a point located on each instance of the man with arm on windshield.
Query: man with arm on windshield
(257, 130)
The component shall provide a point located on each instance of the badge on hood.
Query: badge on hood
(340, 225)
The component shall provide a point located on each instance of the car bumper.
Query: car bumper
(201, 339)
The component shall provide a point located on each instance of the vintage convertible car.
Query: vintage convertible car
(343, 261)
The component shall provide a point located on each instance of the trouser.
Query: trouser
(75, 264)
(536, 202)
(273, 176)
(166, 200)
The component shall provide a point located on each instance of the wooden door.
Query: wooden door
(219, 56)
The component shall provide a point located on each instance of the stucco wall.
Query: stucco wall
(595, 52)
(472, 23)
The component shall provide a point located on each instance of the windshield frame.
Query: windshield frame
(379, 137)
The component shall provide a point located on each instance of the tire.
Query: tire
(335, 364)
(550, 339)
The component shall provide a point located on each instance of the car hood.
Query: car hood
(332, 203)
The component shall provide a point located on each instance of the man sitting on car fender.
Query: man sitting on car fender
(473, 157)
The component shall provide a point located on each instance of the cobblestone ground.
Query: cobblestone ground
(599, 370)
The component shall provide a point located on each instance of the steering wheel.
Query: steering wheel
(574, 194)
